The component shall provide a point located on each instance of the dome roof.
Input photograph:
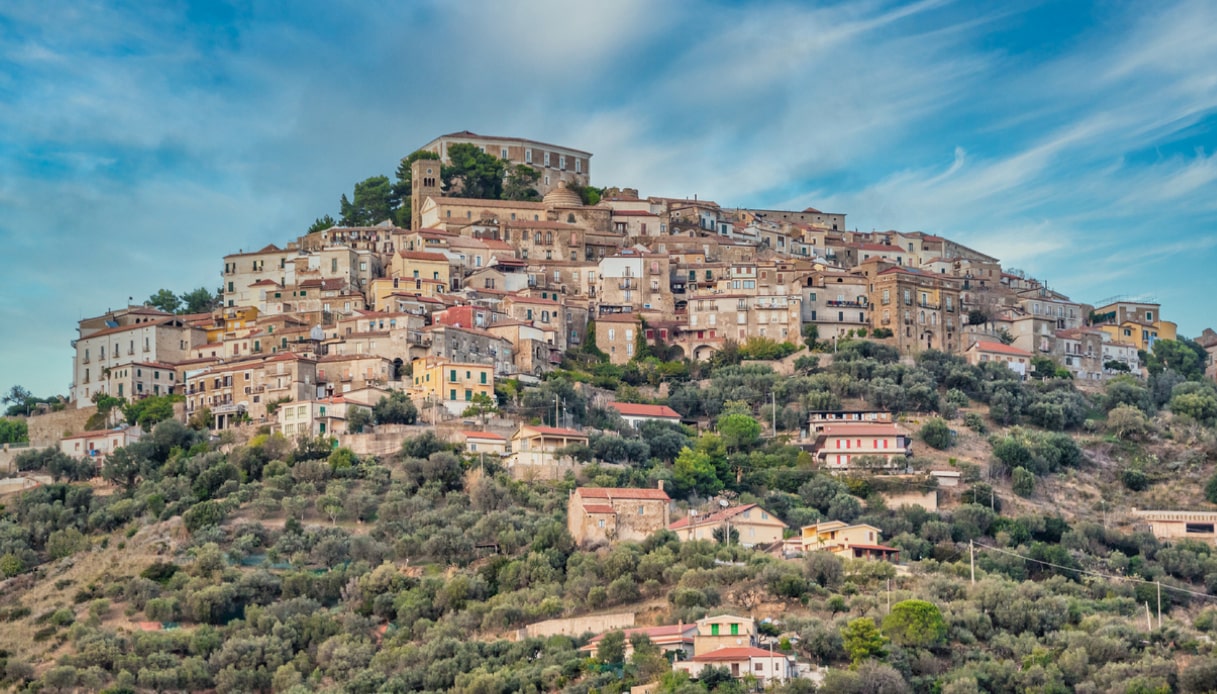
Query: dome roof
(562, 197)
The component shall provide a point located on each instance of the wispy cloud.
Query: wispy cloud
(137, 145)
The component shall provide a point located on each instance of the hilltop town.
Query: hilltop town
(497, 429)
(482, 290)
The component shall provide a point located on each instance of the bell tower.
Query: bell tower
(425, 183)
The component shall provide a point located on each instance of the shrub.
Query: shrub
(937, 434)
(1023, 481)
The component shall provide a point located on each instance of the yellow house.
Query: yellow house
(1138, 323)
(859, 541)
(416, 269)
(454, 384)
(723, 631)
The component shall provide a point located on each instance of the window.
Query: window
(503, 152)
(452, 375)
(528, 156)
(714, 630)
(468, 395)
(735, 629)
(452, 394)
(547, 161)
(483, 377)
(578, 165)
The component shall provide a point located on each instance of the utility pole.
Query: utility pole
(556, 411)
(972, 554)
(1149, 621)
(889, 596)
(1159, 603)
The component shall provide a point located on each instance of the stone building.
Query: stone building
(605, 515)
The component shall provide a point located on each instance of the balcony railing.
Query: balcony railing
(848, 304)
(931, 306)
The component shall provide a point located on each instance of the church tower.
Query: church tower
(425, 183)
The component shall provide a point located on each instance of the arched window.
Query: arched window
(549, 238)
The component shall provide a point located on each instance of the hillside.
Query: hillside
(274, 565)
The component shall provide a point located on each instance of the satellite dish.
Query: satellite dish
(724, 503)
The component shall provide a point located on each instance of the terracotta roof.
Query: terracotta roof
(617, 318)
(683, 632)
(265, 283)
(634, 213)
(482, 435)
(538, 224)
(638, 410)
(324, 284)
(718, 517)
(598, 508)
(999, 348)
(622, 493)
(478, 202)
(740, 653)
(860, 429)
(423, 255)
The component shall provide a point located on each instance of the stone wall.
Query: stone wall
(577, 626)
(47, 429)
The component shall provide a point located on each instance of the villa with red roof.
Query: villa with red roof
(604, 515)
(838, 446)
(754, 525)
(1018, 360)
(635, 413)
(536, 451)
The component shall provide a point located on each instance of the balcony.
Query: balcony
(928, 305)
(773, 305)
(626, 284)
(848, 304)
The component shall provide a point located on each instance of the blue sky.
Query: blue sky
(140, 142)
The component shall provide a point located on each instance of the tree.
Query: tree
(480, 406)
(694, 471)
(200, 300)
(395, 409)
(916, 624)
(863, 640)
(372, 203)
(1182, 356)
(739, 431)
(122, 467)
(165, 300)
(521, 183)
(14, 431)
(611, 648)
(811, 333)
(321, 224)
(937, 434)
(19, 401)
(151, 410)
(358, 418)
(472, 173)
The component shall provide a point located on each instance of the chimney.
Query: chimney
(661, 485)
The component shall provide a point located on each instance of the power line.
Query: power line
(1110, 577)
